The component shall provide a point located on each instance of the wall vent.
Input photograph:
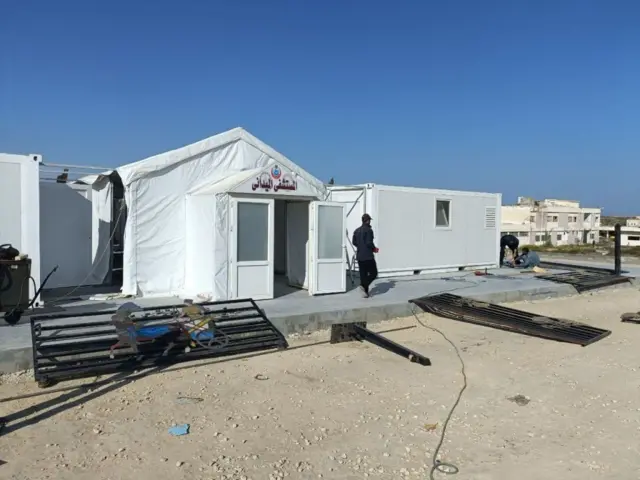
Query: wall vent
(490, 217)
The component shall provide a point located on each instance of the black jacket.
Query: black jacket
(509, 241)
(363, 241)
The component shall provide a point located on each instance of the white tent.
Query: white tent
(216, 219)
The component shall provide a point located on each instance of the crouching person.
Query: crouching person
(528, 259)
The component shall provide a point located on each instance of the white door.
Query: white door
(251, 248)
(327, 261)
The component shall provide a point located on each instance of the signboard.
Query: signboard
(274, 181)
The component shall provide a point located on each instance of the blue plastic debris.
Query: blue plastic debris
(179, 430)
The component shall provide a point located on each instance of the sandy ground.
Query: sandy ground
(353, 411)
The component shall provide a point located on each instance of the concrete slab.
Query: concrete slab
(297, 312)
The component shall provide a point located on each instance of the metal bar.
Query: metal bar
(393, 347)
(153, 353)
(153, 318)
(345, 332)
(570, 266)
(131, 365)
(617, 251)
(97, 313)
(64, 165)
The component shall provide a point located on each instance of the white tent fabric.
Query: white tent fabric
(159, 192)
(103, 215)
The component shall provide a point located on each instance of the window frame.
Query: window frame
(435, 214)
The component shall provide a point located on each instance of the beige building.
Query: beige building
(559, 222)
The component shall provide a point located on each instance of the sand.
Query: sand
(534, 409)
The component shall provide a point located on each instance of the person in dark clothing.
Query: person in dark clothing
(511, 242)
(365, 249)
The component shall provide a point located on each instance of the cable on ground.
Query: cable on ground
(436, 464)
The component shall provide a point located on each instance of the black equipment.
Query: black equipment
(14, 284)
(15, 275)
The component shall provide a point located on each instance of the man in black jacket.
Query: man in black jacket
(365, 249)
(511, 242)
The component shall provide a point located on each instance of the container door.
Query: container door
(251, 248)
(327, 261)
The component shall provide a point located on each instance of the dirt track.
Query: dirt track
(353, 411)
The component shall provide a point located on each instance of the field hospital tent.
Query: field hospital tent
(218, 219)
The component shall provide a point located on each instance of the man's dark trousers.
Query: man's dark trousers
(368, 273)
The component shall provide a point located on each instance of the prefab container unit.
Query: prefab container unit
(20, 208)
(56, 224)
(421, 230)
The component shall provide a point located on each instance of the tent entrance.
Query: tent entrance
(291, 239)
(280, 245)
(268, 247)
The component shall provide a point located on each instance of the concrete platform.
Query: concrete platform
(297, 312)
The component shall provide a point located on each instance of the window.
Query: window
(559, 237)
(330, 232)
(633, 238)
(573, 218)
(253, 232)
(443, 210)
(532, 218)
(538, 238)
(592, 236)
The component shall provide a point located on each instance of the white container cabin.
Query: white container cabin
(420, 230)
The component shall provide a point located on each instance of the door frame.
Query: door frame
(314, 260)
(233, 263)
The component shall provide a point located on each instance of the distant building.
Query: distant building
(633, 222)
(629, 234)
(558, 222)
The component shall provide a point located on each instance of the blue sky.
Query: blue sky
(537, 98)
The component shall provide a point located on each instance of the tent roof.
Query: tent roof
(134, 171)
(227, 184)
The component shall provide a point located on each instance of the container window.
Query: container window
(443, 210)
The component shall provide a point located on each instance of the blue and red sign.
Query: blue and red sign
(276, 173)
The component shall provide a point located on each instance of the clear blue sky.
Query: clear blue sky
(539, 98)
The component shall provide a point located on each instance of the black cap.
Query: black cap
(366, 217)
